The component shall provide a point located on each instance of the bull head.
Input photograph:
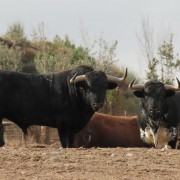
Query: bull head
(92, 86)
(154, 94)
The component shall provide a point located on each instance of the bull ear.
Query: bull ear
(169, 93)
(139, 93)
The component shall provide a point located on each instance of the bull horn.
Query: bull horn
(173, 88)
(135, 87)
(115, 79)
(76, 79)
(7, 123)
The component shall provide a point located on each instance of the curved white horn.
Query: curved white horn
(173, 88)
(135, 87)
(116, 79)
(76, 79)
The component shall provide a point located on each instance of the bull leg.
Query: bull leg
(71, 140)
(1, 134)
(177, 143)
(173, 144)
(25, 134)
(66, 139)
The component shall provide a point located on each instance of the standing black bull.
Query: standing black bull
(159, 112)
(65, 100)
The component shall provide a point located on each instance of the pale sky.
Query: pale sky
(116, 19)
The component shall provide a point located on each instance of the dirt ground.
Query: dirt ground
(52, 162)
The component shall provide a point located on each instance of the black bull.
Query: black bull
(64, 100)
(159, 113)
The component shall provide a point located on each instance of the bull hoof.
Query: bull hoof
(166, 147)
(2, 144)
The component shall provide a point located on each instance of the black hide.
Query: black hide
(51, 100)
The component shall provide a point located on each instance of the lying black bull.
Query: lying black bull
(65, 100)
(159, 112)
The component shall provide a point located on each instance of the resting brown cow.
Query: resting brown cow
(110, 131)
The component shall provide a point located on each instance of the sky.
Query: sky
(119, 20)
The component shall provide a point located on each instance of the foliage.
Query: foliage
(39, 33)
(151, 73)
(59, 42)
(102, 53)
(79, 54)
(9, 59)
(15, 33)
(49, 62)
(165, 65)
(168, 62)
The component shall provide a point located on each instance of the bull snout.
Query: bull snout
(96, 106)
(155, 113)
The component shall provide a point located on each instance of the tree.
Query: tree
(146, 41)
(162, 64)
(15, 33)
(151, 73)
(167, 62)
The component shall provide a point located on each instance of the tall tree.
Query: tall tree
(146, 40)
(15, 33)
(167, 62)
(162, 64)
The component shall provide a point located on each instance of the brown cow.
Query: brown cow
(110, 131)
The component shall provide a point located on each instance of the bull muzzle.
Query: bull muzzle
(155, 113)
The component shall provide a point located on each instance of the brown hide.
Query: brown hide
(110, 131)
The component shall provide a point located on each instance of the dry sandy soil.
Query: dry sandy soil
(52, 162)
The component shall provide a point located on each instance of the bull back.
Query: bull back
(110, 131)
